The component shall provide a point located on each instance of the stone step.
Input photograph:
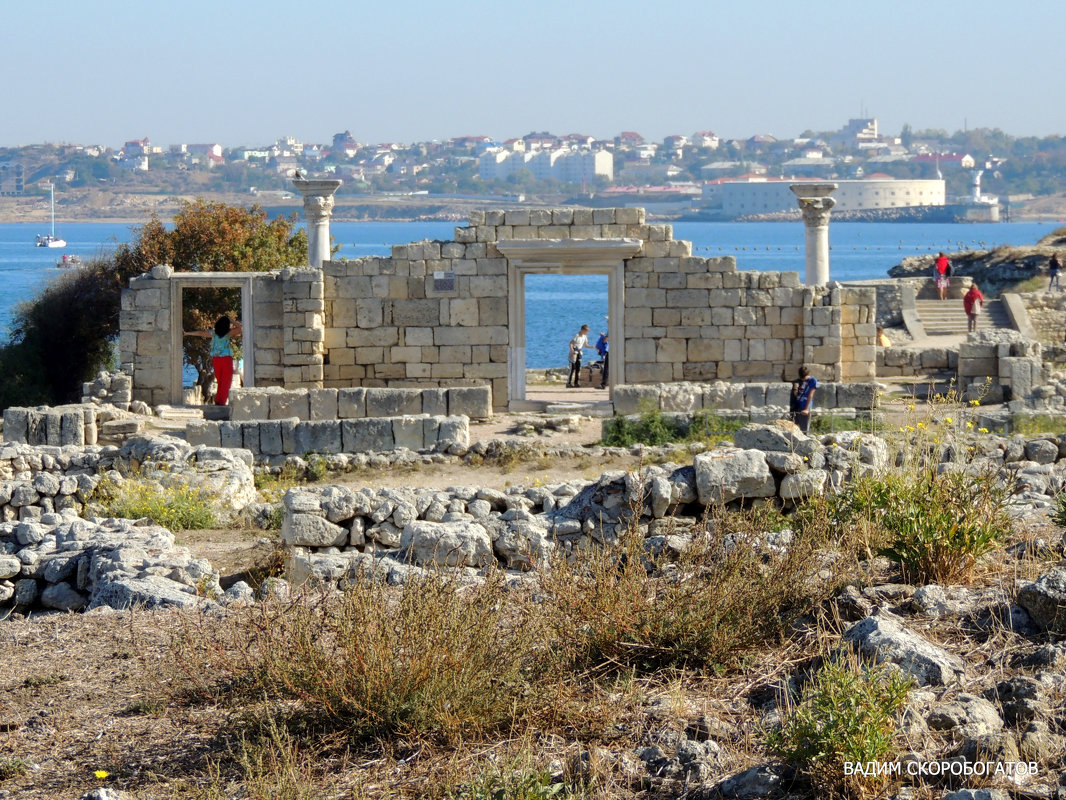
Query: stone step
(949, 316)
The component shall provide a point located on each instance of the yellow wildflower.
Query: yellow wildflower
(101, 774)
(983, 430)
(948, 420)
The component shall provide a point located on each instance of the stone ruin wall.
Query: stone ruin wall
(389, 321)
(1047, 315)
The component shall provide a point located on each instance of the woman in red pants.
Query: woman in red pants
(221, 355)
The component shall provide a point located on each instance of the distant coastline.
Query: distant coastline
(96, 205)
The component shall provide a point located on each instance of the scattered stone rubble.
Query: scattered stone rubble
(961, 712)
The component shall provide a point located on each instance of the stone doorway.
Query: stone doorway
(563, 257)
(179, 282)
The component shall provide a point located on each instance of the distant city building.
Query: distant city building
(137, 147)
(12, 178)
(562, 164)
(757, 195)
(952, 160)
(344, 145)
(857, 133)
(707, 139)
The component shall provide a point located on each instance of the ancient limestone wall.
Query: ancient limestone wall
(439, 314)
(1047, 315)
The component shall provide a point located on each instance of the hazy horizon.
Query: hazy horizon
(245, 74)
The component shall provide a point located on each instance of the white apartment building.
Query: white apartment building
(563, 164)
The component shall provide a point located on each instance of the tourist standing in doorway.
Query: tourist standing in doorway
(603, 347)
(1053, 267)
(942, 271)
(973, 301)
(221, 355)
(577, 344)
(802, 400)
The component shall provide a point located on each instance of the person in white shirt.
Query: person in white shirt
(577, 344)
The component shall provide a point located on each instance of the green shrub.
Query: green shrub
(521, 785)
(653, 427)
(938, 525)
(848, 713)
(173, 505)
(1037, 424)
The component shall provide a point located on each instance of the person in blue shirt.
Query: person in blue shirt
(221, 355)
(802, 400)
(603, 345)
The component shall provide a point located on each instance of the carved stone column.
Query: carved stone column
(318, 208)
(815, 204)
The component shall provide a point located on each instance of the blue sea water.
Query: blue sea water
(557, 305)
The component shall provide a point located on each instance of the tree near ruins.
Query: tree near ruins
(66, 334)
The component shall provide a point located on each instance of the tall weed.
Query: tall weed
(433, 658)
(620, 607)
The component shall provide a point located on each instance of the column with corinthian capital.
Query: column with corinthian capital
(815, 205)
(318, 208)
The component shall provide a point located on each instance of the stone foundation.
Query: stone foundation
(276, 438)
(724, 396)
(274, 403)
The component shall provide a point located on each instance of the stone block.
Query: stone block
(435, 401)
(250, 436)
(270, 441)
(323, 404)
(369, 435)
(16, 424)
(855, 395)
(474, 402)
(290, 403)
(321, 436)
(351, 403)
(198, 432)
(409, 432)
(634, 399)
(683, 397)
(230, 435)
(393, 402)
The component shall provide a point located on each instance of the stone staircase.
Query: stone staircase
(941, 317)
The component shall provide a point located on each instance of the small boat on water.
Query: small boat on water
(51, 240)
(68, 261)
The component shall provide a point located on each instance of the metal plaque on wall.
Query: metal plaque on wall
(443, 281)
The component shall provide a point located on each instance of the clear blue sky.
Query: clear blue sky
(246, 73)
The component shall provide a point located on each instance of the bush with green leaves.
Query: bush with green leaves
(847, 713)
(173, 505)
(652, 427)
(939, 524)
(934, 525)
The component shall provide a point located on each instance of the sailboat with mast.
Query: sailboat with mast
(50, 240)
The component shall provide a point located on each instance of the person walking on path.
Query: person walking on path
(973, 301)
(942, 270)
(802, 400)
(577, 344)
(221, 355)
(1053, 267)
